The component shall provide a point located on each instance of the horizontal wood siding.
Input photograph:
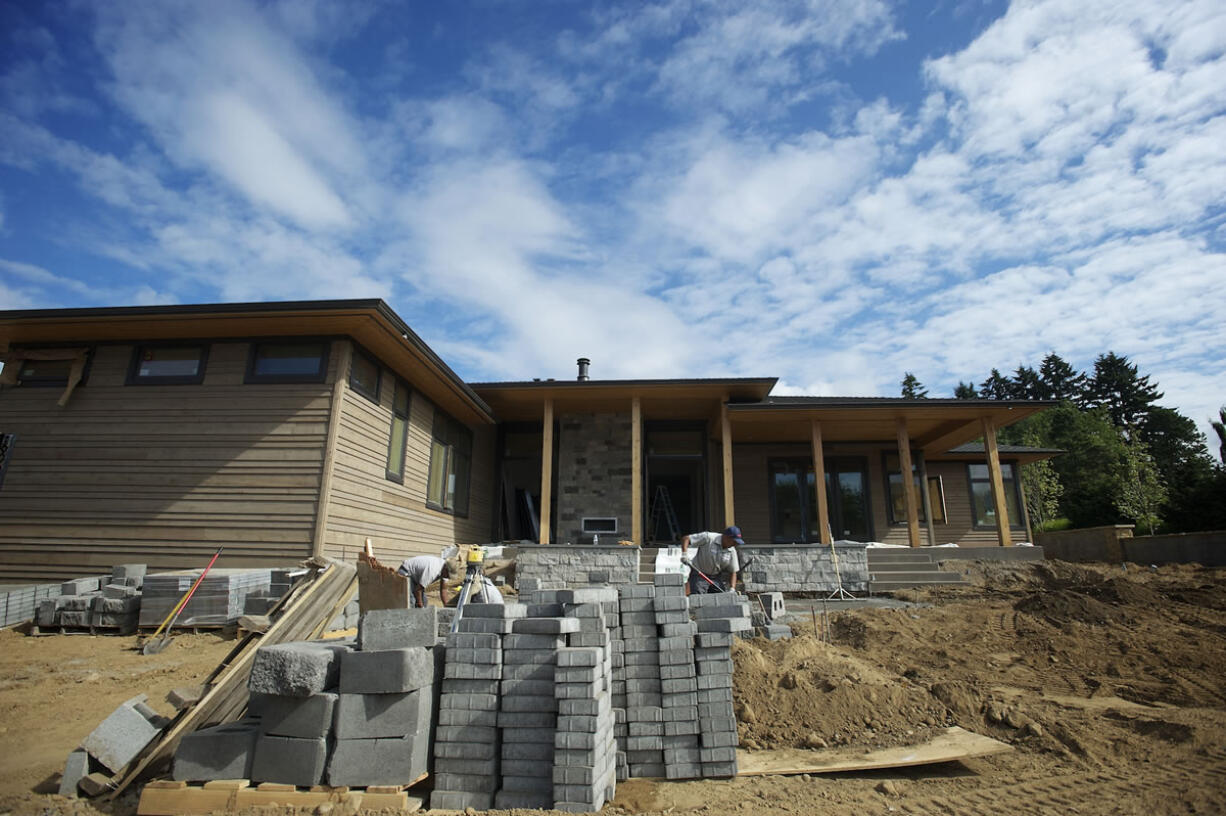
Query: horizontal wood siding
(364, 503)
(161, 475)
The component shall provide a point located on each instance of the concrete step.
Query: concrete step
(898, 556)
(915, 576)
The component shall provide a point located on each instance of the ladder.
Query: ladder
(662, 510)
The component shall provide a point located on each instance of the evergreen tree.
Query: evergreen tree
(1060, 381)
(912, 388)
(1141, 490)
(995, 386)
(1027, 384)
(1219, 427)
(1116, 387)
(965, 391)
(1091, 467)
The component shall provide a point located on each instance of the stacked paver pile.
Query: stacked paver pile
(341, 712)
(549, 702)
(220, 598)
(107, 603)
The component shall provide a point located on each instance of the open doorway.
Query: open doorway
(519, 498)
(676, 464)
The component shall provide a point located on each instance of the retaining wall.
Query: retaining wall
(574, 565)
(803, 568)
(1086, 544)
(1207, 549)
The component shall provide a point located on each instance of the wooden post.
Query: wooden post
(908, 481)
(926, 498)
(546, 470)
(726, 443)
(636, 470)
(819, 481)
(998, 484)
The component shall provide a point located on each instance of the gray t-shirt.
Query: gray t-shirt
(422, 570)
(709, 555)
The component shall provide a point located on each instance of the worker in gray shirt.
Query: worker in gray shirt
(422, 571)
(714, 556)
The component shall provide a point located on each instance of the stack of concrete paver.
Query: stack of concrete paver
(220, 598)
(528, 709)
(342, 712)
(104, 603)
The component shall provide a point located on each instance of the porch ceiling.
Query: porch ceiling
(660, 399)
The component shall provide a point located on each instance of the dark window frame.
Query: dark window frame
(450, 426)
(1018, 523)
(388, 473)
(358, 351)
(252, 378)
(134, 377)
(841, 464)
(886, 473)
(56, 382)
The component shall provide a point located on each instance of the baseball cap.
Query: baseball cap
(735, 532)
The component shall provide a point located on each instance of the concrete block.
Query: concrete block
(460, 800)
(370, 716)
(466, 750)
(680, 713)
(565, 691)
(528, 671)
(681, 728)
(589, 639)
(678, 685)
(121, 736)
(469, 702)
(296, 669)
(717, 755)
(721, 739)
(497, 626)
(473, 640)
(714, 681)
(527, 719)
(467, 718)
(645, 729)
(484, 781)
(75, 603)
(689, 698)
(687, 629)
(714, 695)
(577, 674)
(536, 800)
(471, 671)
(289, 760)
(75, 769)
(708, 667)
(666, 579)
(718, 709)
(499, 611)
(385, 761)
(533, 703)
(383, 629)
(537, 657)
(386, 672)
(527, 687)
(528, 784)
(682, 770)
(774, 631)
(549, 643)
(568, 657)
(529, 736)
(677, 672)
(718, 770)
(46, 613)
(221, 752)
(72, 617)
(120, 591)
(580, 722)
(600, 704)
(460, 685)
(545, 626)
(724, 625)
(587, 595)
(304, 717)
(459, 733)
(483, 657)
(528, 751)
(80, 586)
(132, 575)
(650, 770)
(676, 657)
(708, 640)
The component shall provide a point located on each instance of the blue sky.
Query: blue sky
(830, 192)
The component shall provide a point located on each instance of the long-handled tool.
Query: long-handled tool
(702, 575)
(474, 573)
(156, 644)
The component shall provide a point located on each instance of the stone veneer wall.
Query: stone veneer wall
(576, 566)
(803, 568)
(593, 475)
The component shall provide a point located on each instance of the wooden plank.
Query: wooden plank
(546, 471)
(951, 745)
(227, 784)
(908, 481)
(636, 471)
(998, 484)
(726, 444)
(329, 463)
(819, 481)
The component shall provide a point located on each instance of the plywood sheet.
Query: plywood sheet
(953, 744)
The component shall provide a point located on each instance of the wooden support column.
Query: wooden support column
(636, 470)
(998, 484)
(908, 481)
(819, 481)
(726, 443)
(926, 499)
(546, 508)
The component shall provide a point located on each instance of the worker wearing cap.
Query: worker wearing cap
(713, 556)
(422, 571)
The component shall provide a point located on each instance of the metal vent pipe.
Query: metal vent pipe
(583, 364)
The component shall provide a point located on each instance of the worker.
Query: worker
(422, 571)
(714, 557)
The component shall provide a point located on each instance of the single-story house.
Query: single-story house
(280, 430)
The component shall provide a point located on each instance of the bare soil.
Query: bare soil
(1109, 684)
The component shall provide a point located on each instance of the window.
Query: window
(794, 500)
(167, 365)
(288, 362)
(6, 453)
(364, 375)
(450, 462)
(897, 505)
(982, 505)
(398, 437)
(44, 372)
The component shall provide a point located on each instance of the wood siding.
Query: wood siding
(161, 475)
(364, 503)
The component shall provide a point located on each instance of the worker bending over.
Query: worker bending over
(422, 571)
(714, 557)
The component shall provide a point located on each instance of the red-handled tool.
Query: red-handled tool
(156, 644)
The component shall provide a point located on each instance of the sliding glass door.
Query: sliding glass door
(792, 496)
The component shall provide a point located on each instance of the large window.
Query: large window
(981, 495)
(167, 364)
(398, 437)
(288, 362)
(450, 463)
(44, 372)
(897, 505)
(364, 375)
(794, 500)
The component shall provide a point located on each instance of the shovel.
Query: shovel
(156, 644)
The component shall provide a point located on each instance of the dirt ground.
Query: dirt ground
(1110, 685)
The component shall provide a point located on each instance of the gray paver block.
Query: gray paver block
(469, 702)
(296, 669)
(545, 626)
(677, 672)
(528, 751)
(579, 657)
(527, 719)
(519, 703)
(304, 717)
(515, 642)
(680, 713)
(382, 629)
(121, 736)
(472, 671)
(527, 687)
(221, 752)
(460, 800)
(718, 770)
(457, 733)
(453, 685)
(720, 739)
(724, 625)
(370, 716)
(535, 800)
(386, 672)
(289, 760)
(465, 718)
(382, 761)
(498, 626)
(712, 639)
(478, 781)
(536, 784)
(466, 750)
(75, 769)
(665, 579)
(473, 640)
(80, 586)
(529, 736)
(687, 629)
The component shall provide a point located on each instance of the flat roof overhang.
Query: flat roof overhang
(372, 323)
(660, 399)
(934, 426)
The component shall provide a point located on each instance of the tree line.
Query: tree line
(1125, 458)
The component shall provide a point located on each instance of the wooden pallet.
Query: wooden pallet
(45, 631)
(173, 798)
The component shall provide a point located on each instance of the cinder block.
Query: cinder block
(370, 716)
(303, 717)
(121, 736)
(545, 626)
(289, 760)
(75, 769)
(386, 672)
(296, 669)
(383, 629)
(221, 752)
(385, 761)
